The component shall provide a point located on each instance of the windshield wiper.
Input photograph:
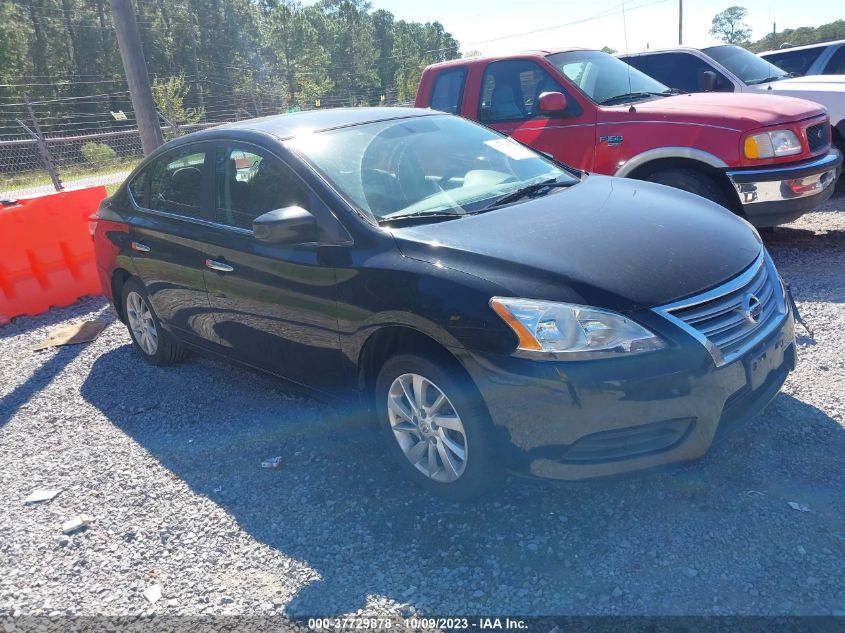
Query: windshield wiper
(537, 187)
(634, 95)
(756, 82)
(420, 216)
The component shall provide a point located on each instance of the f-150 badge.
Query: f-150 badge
(612, 141)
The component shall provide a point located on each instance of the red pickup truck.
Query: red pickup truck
(767, 158)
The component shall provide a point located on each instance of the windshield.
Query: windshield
(746, 65)
(602, 77)
(424, 165)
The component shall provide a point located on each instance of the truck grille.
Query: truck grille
(734, 316)
(818, 136)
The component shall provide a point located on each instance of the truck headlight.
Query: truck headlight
(573, 332)
(772, 144)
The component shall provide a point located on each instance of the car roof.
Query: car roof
(516, 54)
(285, 126)
(668, 49)
(803, 47)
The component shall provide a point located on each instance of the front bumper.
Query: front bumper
(579, 420)
(782, 193)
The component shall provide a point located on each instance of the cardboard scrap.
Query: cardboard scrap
(153, 593)
(41, 495)
(76, 523)
(73, 334)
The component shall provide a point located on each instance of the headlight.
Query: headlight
(772, 144)
(573, 331)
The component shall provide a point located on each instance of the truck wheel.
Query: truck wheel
(692, 181)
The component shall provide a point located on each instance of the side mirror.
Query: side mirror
(291, 225)
(708, 80)
(552, 104)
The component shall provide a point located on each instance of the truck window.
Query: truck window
(510, 90)
(679, 70)
(797, 62)
(448, 90)
(836, 65)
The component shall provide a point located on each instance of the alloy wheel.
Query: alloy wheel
(427, 427)
(141, 323)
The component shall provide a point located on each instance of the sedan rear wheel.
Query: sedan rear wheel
(436, 425)
(149, 339)
(141, 323)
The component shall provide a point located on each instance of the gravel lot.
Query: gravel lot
(167, 464)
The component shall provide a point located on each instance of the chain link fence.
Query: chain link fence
(54, 144)
(32, 164)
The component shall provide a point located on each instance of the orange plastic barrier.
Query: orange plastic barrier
(46, 252)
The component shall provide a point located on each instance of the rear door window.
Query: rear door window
(177, 179)
(139, 187)
(797, 62)
(448, 90)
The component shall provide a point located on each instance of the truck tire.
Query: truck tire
(693, 181)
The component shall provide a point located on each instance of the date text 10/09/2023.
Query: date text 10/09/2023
(417, 623)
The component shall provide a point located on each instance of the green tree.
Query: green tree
(800, 36)
(729, 27)
(293, 36)
(169, 95)
(224, 59)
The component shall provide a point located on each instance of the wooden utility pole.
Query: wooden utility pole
(680, 22)
(135, 67)
(197, 82)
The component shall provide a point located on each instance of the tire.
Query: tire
(149, 339)
(694, 182)
(439, 469)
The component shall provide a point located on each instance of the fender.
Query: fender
(670, 152)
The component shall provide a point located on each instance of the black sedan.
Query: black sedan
(488, 307)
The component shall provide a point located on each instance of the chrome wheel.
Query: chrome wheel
(141, 323)
(427, 427)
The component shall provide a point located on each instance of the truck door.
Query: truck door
(507, 102)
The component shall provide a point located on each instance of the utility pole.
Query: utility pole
(135, 67)
(680, 22)
(197, 82)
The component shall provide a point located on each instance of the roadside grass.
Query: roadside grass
(26, 180)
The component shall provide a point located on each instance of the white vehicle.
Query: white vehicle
(733, 69)
(827, 58)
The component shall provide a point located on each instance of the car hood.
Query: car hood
(826, 82)
(615, 243)
(741, 112)
(821, 88)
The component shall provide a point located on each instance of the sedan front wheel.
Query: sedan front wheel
(436, 426)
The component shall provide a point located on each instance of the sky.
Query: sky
(485, 25)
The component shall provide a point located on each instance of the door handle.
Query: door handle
(218, 266)
(141, 248)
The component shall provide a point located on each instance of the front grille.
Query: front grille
(818, 136)
(732, 316)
